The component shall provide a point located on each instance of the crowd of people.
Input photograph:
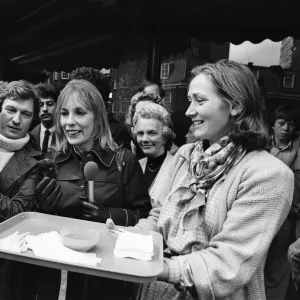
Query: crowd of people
(224, 193)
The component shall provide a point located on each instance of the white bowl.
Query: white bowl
(79, 238)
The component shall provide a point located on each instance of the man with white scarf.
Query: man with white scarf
(19, 109)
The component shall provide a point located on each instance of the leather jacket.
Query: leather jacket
(134, 198)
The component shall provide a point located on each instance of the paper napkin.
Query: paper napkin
(134, 245)
(49, 245)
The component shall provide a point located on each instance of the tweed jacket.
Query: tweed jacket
(221, 250)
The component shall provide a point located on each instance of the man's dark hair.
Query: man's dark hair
(146, 83)
(22, 90)
(47, 90)
(286, 112)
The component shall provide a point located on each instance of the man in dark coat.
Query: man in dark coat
(19, 108)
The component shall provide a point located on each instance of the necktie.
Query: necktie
(46, 141)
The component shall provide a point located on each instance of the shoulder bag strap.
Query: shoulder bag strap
(119, 162)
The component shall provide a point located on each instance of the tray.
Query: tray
(111, 267)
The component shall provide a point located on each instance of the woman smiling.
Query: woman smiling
(224, 204)
(83, 135)
(153, 131)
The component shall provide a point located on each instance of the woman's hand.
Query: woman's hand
(48, 194)
(94, 211)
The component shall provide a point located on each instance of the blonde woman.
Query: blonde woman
(83, 134)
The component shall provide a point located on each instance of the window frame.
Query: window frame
(286, 76)
(162, 70)
(62, 75)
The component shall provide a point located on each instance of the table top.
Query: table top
(111, 267)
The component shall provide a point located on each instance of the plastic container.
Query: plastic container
(79, 238)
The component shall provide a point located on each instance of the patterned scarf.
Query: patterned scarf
(206, 167)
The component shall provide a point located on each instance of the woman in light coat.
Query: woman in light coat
(224, 205)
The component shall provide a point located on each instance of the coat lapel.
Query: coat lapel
(36, 132)
(19, 164)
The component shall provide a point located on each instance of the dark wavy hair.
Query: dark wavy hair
(146, 83)
(47, 90)
(22, 90)
(236, 84)
(288, 113)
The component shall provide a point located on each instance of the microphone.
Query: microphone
(90, 173)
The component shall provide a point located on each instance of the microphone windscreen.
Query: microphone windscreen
(90, 170)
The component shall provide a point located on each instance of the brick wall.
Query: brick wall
(127, 78)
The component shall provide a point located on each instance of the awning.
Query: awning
(62, 35)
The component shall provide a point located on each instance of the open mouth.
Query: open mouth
(198, 122)
(73, 133)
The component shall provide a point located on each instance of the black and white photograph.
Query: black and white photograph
(149, 150)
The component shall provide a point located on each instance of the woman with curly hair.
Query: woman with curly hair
(153, 131)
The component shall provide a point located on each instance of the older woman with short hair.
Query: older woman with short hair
(153, 131)
(224, 204)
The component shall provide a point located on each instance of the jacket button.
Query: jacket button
(81, 188)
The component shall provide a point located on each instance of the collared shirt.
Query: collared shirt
(284, 154)
(42, 134)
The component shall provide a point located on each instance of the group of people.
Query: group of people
(221, 202)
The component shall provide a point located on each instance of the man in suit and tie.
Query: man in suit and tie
(19, 155)
(44, 133)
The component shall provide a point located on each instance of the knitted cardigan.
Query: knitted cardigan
(243, 212)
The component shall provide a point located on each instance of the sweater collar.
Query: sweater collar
(13, 145)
